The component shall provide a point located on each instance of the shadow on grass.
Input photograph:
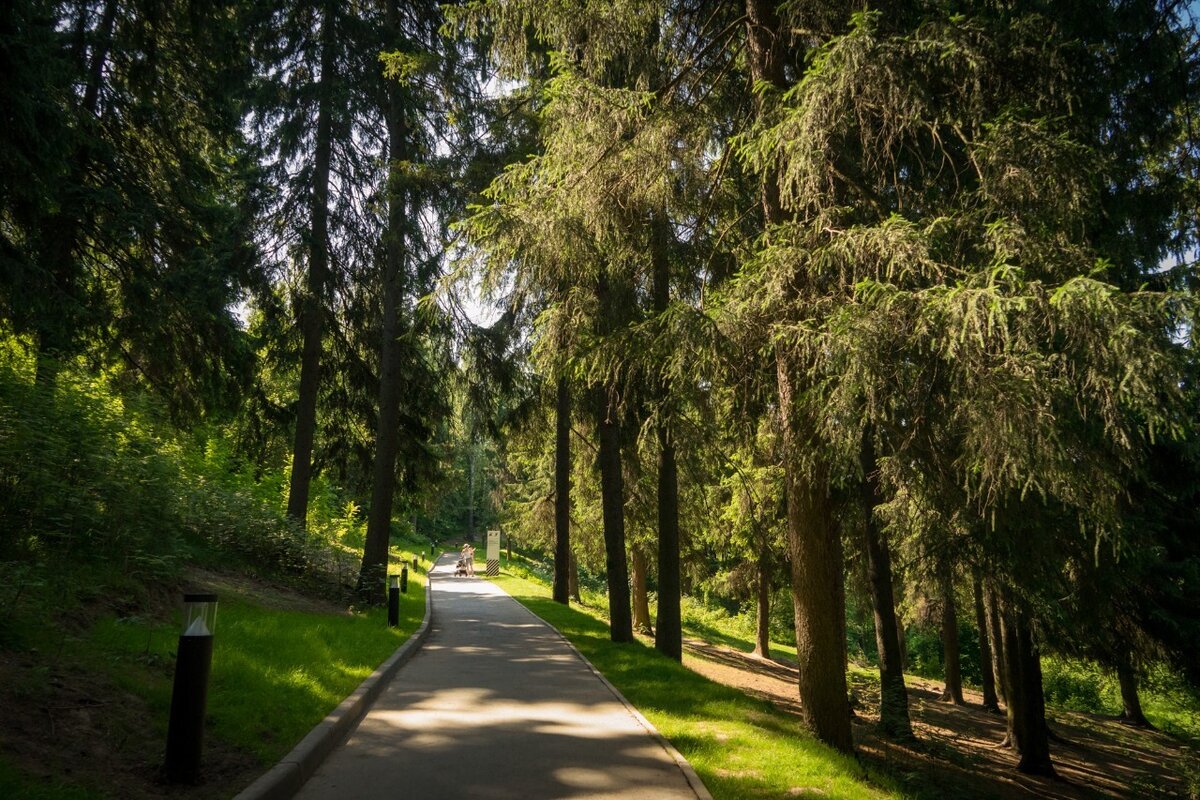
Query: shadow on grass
(741, 747)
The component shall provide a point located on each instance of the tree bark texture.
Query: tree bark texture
(562, 494)
(817, 598)
(991, 607)
(612, 480)
(951, 662)
(762, 628)
(312, 309)
(1131, 704)
(990, 702)
(893, 696)
(372, 575)
(612, 501)
(641, 601)
(574, 579)
(813, 538)
(668, 637)
(1027, 729)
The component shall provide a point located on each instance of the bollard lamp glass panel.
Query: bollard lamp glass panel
(199, 614)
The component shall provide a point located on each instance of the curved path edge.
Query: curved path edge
(284, 779)
(689, 773)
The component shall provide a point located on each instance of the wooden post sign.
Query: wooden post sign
(493, 553)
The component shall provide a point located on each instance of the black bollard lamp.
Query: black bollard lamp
(393, 600)
(189, 695)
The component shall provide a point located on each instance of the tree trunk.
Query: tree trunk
(1132, 705)
(816, 579)
(812, 534)
(612, 500)
(562, 494)
(372, 575)
(668, 638)
(902, 640)
(641, 601)
(612, 481)
(762, 628)
(312, 310)
(950, 655)
(893, 697)
(471, 491)
(1027, 731)
(985, 650)
(991, 607)
(574, 579)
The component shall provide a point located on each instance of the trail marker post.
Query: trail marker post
(493, 553)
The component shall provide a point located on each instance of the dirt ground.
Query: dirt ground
(958, 756)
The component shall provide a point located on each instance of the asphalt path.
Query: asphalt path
(497, 705)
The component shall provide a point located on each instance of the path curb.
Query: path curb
(689, 773)
(284, 780)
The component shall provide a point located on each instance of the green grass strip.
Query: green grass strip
(740, 747)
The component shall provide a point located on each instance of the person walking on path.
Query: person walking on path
(497, 705)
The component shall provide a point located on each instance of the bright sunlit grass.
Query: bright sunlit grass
(740, 747)
(276, 673)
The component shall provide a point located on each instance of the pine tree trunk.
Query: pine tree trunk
(574, 579)
(612, 501)
(817, 596)
(612, 483)
(1027, 731)
(312, 313)
(902, 640)
(985, 651)
(471, 491)
(1130, 702)
(668, 637)
(991, 607)
(762, 628)
(641, 602)
(372, 575)
(893, 697)
(562, 494)
(813, 538)
(950, 652)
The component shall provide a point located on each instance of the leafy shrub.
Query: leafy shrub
(104, 477)
(1079, 686)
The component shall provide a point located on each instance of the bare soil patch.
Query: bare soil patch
(958, 753)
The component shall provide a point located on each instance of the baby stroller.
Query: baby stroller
(460, 568)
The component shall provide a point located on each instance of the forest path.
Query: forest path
(497, 705)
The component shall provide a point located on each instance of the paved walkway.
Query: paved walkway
(496, 705)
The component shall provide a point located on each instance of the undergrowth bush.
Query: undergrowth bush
(91, 474)
(1079, 686)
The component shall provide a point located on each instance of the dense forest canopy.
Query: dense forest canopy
(825, 311)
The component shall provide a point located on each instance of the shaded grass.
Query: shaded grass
(15, 785)
(740, 747)
(276, 673)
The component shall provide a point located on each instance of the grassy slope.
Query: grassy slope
(740, 747)
(276, 673)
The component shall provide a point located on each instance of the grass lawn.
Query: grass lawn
(280, 665)
(740, 747)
